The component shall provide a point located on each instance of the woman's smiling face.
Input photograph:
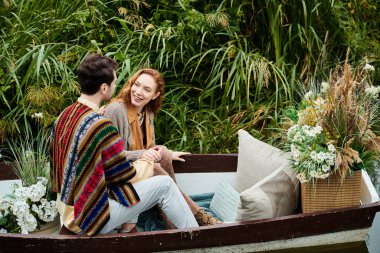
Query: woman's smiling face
(143, 90)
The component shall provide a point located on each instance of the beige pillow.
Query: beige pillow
(256, 160)
(275, 195)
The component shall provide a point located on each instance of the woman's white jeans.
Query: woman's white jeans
(159, 190)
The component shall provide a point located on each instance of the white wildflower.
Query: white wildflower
(46, 211)
(296, 154)
(20, 207)
(324, 87)
(323, 176)
(321, 157)
(318, 129)
(331, 148)
(29, 153)
(34, 192)
(319, 102)
(313, 155)
(42, 180)
(369, 67)
(4, 207)
(372, 92)
(298, 137)
(325, 168)
(301, 177)
(27, 222)
(313, 173)
(291, 131)
(37, 115)
(309, 95)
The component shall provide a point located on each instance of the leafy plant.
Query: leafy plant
(334, 130)
(29, 156)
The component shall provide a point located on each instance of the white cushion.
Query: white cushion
(256, 160)
(225, 202)
(275, 195)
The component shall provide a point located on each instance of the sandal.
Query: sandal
(204, 219)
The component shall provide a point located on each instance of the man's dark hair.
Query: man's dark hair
(95, 70)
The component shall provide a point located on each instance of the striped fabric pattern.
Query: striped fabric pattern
(88, 166)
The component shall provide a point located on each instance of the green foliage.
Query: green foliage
(227, 65)
(29, 156)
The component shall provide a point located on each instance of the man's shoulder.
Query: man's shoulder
(82, 114)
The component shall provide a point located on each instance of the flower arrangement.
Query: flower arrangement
(332, 131)
(30, 204)
(26, 208)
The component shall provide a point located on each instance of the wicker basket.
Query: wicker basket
(325, 194)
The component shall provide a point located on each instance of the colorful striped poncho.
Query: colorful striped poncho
(89, 166)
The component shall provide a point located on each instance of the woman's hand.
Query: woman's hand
(153, 154)
(176, 155)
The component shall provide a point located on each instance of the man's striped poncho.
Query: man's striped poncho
(89, 166)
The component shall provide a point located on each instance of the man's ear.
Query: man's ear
(103, 88)
(156, 95)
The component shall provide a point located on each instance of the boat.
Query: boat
(327, 231)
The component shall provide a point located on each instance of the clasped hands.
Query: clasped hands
(155, 154)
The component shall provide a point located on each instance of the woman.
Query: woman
(132, 112)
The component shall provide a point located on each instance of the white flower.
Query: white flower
(318, 129)
(296, 154)
(27, 222)
(324, 87)
(372, 92)
(37, 115)
(301, 177)
(313, 155)
(369, 67)
(325, 168)
(313, 173)
(323, 176)
(29, 205)
(46, 211)
(3, 231)
(298, 137)
(291, 131)
(309, 95)
(28, 153)
(42, 180)
(321, 156)
(331, 148)
(312, 131)
(319, 102)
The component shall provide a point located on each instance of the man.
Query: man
(89, 168)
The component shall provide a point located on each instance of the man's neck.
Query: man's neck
(92, 101)
(97, 100)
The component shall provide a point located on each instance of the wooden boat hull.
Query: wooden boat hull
(294, 231)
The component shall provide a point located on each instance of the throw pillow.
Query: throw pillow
(276, 195)
(256, 160)
(225, 202)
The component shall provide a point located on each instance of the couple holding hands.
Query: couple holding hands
(96, 152)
